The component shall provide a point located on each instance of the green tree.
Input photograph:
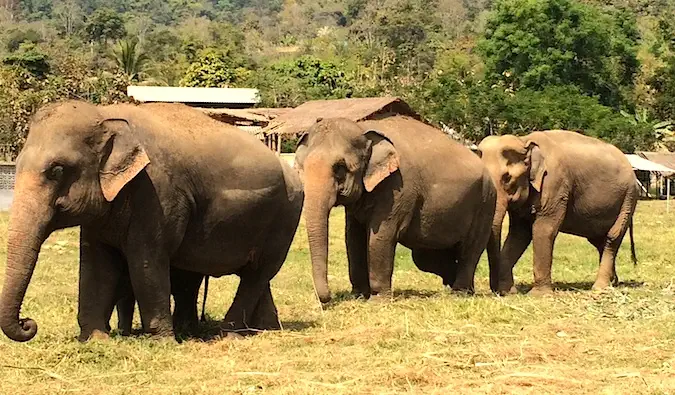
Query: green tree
(216, 69)
(536, 43)
(104, 24)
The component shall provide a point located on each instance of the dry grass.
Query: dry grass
(425, 341)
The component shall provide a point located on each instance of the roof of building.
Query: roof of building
(640, 163)
(666, 159)
(304, 116)
(259, 115)
(170, 94)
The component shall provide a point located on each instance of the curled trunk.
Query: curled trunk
(27, 232)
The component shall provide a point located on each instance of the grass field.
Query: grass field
(425, 341)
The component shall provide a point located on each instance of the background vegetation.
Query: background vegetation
(605, 67)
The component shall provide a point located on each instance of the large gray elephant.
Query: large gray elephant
(399, 181)
(559, 181)
(153, 186)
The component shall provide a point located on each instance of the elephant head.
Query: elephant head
(74, 163)
(339, 162)
(517, 166)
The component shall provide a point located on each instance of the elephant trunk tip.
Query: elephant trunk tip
(324, 295)
(24, 330)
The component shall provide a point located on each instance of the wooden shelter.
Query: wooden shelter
(663, 179)
(251, 120)
(301, 118)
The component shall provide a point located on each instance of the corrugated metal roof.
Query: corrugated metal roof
(170, 94)
(304, 116)
(640, 163)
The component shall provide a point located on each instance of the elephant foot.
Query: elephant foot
(96, 334)
(359, 294)
(600, 285)
(541, 290)
(459, 291)
(507, 291)
(230, 335)
(383, 297)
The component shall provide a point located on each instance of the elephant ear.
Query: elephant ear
(301, 151)
(124, 157)
(384, 159)
(537, 165)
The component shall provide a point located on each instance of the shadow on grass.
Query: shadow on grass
(579, 286)
(211, 330)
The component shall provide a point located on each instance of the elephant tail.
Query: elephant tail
(206, 290)
(632, 243)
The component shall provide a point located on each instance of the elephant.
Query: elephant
(559, 181)
(184, 288)
(154, 186)
(400, 181)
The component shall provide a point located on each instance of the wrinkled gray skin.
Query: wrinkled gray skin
(185, 290)
(559, 181)
(399, 181)
(153, 186)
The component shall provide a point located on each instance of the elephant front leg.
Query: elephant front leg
(356, 240)
(517, 241)
(151, 283)
(381, 253)
(544, 232)
(100, 271)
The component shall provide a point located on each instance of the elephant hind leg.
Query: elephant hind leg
(265, 316)
(599, 243)
(185, 289)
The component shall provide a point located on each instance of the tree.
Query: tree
(216, 69)
(130, 58)
(68, 14)
(289, 83)
(104, 24)
(536, 43)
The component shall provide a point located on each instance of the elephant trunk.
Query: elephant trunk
(494, 244)
(320, 198)
(27, 231)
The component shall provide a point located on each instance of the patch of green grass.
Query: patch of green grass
(424, 341)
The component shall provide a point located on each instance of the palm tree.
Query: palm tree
(130, 57)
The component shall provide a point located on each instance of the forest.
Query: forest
(481, 67)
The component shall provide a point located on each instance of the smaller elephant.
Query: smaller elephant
(184, 288)
(559, 181)
(400, 181)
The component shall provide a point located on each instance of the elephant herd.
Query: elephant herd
(165, 196)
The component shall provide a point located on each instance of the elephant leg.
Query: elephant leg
(151, 283)
(599, 243)
(442, 263)
(607, 271)
(356, 240)
(126, 302)
(517, 241)
(185, 289)
(381, 254)
(100, 271)
(265, 316)
(544, 232)
(472, 248)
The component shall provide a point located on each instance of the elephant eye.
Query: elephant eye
(340, 171)
(55, 173)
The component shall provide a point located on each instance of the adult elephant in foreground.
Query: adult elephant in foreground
(152, 186)
(399, 181)
(559, 181)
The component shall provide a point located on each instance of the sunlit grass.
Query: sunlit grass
(425, 341)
